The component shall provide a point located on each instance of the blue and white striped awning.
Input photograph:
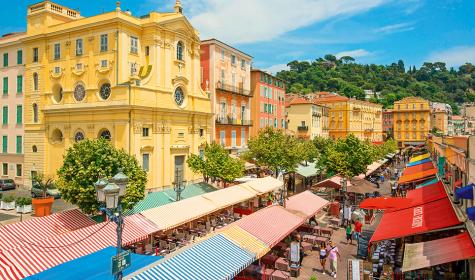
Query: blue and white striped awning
(216, 258)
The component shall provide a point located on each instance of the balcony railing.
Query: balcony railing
(233, 89)
(315, 114)
(233, 121)
(302, 128)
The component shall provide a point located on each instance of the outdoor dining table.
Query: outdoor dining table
(280, 275)
(310, 238)
(321, 240)
(335, 222)
(307, 246)
(326, 231)
(269, 260)
(282, 264)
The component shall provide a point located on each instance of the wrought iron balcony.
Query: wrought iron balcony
(302, 128)
(233, 121)
(316, 114)
(233, 89)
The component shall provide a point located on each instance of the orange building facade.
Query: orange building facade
(225, 75)
(268, 102)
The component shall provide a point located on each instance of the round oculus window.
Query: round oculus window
(79, 136)
(105, 91)
(106, 134)
(79, 92)
(179, 97)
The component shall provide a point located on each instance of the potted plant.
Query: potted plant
(8, 202)
(23, 205)
(42, 203)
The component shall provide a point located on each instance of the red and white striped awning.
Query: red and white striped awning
(38, 229)
(271, 224)
(306, 203)
(29, 259)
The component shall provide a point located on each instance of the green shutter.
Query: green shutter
(5, 85)
(5, 60)
(5, 115)
(19, 144)
(5, 144)
(19, 57)
(19, 84)
(19, 114)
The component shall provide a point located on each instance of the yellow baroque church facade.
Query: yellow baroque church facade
(132, 80)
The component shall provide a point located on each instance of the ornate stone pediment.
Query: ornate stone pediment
(180, 79)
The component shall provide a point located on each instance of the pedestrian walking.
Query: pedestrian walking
(333, 256)
(323, 257)
(358, 229)
(349, 234)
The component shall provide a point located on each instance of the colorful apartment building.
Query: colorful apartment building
(388, 123)
(411, 121)
(226, 75)
(306, 119)
(439, 120)
(131, 80)
(468, 114)
(12, 130)
(268, 102)
(348, 116)
(459, 124)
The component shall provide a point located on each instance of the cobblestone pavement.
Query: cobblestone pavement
(10, 216)
(311, 263)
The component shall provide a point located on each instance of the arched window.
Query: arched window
(57, 136)
(34, 148)
(79, 136)
(35, 81)
(105, 134)
(179, 50)
(35, 112)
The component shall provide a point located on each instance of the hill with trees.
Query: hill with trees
(432, 81)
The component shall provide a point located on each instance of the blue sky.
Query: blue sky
(276, 32)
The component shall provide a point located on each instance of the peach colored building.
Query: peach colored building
(225, 74)
(12, 130)
(268, 102)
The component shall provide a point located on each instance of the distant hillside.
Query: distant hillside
(433, 81)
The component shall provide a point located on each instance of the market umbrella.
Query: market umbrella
(384, 203)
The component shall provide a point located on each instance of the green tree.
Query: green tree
(86, 161)
(216, 163)
(308, 151)
(275, 150)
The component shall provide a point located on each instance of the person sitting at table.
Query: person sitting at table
(323, 256)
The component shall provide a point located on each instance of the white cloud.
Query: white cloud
(455, 56)
(276, 68)
(395, 28)
(353, 53)
(248, 21)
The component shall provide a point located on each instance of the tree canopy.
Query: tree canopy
(432, 81)
(216, 163)
(86, 161)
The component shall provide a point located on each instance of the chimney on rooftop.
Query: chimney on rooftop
(117, 6)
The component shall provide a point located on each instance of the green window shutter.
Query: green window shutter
(19, 114)
(5, 60)
(5, 85)
(5, 115)
(19, 84)
(19, 145)
(19, 57)
(5, 144)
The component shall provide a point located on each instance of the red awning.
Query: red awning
(440, 251)
(271, 224)
(385, 203)
(29, 259)
(424, 195)
(418, 176)
(306, 203)
(37, 229)
(434, 215)
(418, 168)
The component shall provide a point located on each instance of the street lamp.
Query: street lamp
(179, 184)
(343, 191)
(109, 194)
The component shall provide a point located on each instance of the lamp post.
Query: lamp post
(179, 184)
(109, 193)
(343, 191)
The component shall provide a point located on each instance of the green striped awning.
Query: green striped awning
(156, 199)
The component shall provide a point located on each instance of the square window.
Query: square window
(145, 131)
(202, 132)
(57, 51)
(19, 57)
(146, 162)
(79, 47)
(134, 45)
(233, 59)
(35, 54)
(243, 63)
(181, 134)
(104, 42)
(5, 60)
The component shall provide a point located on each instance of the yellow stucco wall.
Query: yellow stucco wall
(314, 116)
(411, 120)
(137, 100)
